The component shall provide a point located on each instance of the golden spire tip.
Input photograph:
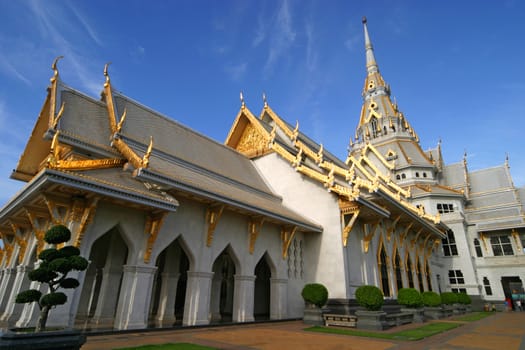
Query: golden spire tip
(106, 68)
(54, 65)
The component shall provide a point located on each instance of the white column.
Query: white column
(135, 297)
(197, 305)
(6, 286)
(243, 298)
(167, 297)
(278, 298)
(21, 283)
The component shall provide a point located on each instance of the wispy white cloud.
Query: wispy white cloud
(238, 71)
(312, 55)
(10, 70)
(260, 32)
(281, 38)
(62, 32)
(83, 20)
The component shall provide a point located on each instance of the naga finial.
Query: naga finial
(106, 71)
(264, 100)
(54, 67)
(145, 159)
(241, 96)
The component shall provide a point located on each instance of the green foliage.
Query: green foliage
(315, 293)
(43, 274)
(53, 299)
(57, 234)
(54, 266)
(68, 251)
(449, 298)
(369, 297)
(49, 254)
(69, 283)
(62, 265)
(78, 263)
(464, 298)
(28, 296)
(409, 297)
(431, 299)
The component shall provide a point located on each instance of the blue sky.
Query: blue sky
(456, 68)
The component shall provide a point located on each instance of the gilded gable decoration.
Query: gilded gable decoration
(254, 228)
(213, 215)
(152, 228)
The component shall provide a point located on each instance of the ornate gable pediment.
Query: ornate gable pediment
(247, 135)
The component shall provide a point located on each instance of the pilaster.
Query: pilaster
(243, 298)
(278, 298)
(198, 291)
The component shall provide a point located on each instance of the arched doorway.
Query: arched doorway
(261, 304)
(222, 288)
(169, 294)
(101, 288)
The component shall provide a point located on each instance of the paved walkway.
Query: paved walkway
(505, 330)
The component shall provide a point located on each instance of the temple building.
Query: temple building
(181, 229)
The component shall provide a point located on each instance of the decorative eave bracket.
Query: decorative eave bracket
(213, 215)
(254, 229)
(152, 227)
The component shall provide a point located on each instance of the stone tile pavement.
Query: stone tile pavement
(505, 330)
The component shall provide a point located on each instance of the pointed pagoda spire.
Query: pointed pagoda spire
(380, 117)
(371, 64)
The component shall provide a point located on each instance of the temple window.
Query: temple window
(417, 174)
(403, 176)
(486, 285)
(449, 244)
(477, 247)
(398, 177)
(385, 284)
(455, 277)
(397, 270)
(424, 174)
(410, 273)
(444, 208)
(501, 245)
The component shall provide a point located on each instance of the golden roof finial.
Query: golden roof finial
(506, 159)
(106, 71)
(145, 159)
(54, 67)
(243, 105)
(363, 20)
(264, 100)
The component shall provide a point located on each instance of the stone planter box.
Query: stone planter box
(448, 310)
(372, 320)
(313, 315)
(52, 340)
(418, 314)
(433, 312)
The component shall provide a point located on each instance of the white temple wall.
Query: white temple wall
(324, 252)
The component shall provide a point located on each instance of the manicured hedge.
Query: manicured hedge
(431, 299)
(449, 298)
(464, 299)
(315, 293)
(409, 297)
(369, 297)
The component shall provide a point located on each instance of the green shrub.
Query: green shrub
(409, 297)
(431, 299)
(464, 298)
(315, 293)
(449, 298)
(57, 234)
(369, 297)
(54, 266)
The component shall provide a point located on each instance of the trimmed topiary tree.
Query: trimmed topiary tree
(431, 299)
(53, 270)
(464, 298)
(315, 293)
(449, 298)
(409, 297)
(369, 297)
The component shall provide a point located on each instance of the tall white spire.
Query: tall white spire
(371, 64)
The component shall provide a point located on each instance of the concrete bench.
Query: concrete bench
(399, 318)
(339, 320)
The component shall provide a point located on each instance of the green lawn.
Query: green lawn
(475, 316)
(177, 346)
(411, 334)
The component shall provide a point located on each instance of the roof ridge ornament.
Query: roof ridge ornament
(106, 74)
(55, 68)
(265, 100)
(243, 104)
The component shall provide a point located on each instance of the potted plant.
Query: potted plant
(412, 301)
(55, 265)
(432, 305)
(371, 298)
(315, 296)
(449, 301)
